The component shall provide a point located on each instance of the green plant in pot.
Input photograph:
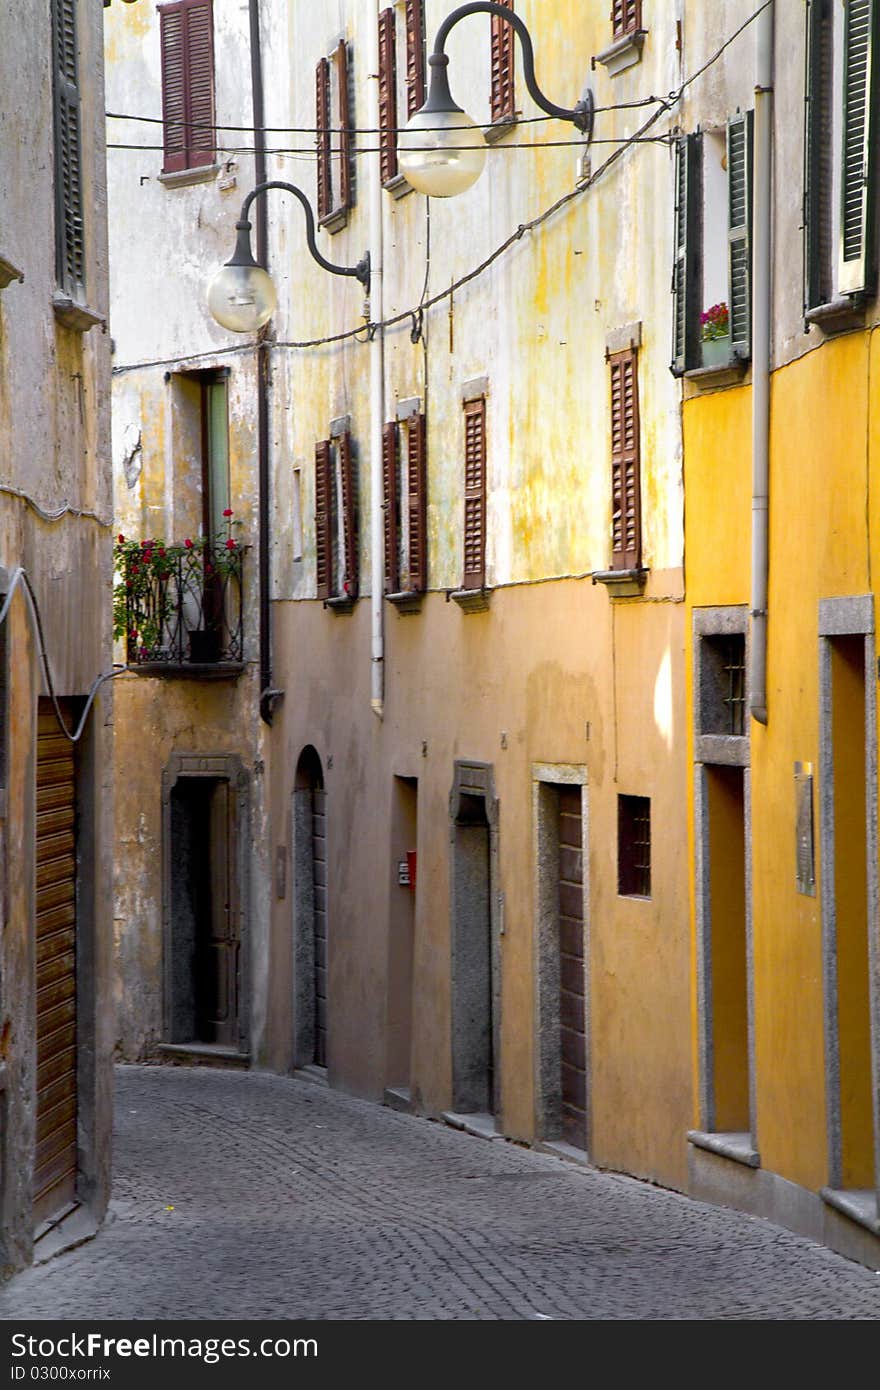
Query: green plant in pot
(715, 335)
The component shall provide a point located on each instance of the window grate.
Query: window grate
(733, 668)
(634, 846)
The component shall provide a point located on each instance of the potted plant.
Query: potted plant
(715, 335)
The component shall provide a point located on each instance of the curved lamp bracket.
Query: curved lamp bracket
(243, 254)
(581, 115)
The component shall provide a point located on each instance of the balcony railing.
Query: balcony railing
(181, 608)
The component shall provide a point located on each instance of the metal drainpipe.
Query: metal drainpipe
(267, 695)
(761, 318)
(377, 383)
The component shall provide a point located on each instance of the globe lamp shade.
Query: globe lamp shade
(441, 153)
(242, 297)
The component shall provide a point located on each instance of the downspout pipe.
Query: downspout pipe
(761, 320)
(377, 382)
(267, 694)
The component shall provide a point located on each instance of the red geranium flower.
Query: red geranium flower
(230, 544)
(121, 538)
(227, 511)
(188, 543)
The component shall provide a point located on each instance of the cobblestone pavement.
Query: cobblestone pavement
(243, 1195)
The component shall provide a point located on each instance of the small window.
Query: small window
(70, 257)
(634, 846)
(401, 78)
(626, 17)
(336, 518)
(334, 126)
(187, 42)
(404, 484)
(723, 684)
(502, 102)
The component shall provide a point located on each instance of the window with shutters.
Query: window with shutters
(474, 494)
(626, 522)
(336, 519)
(404, 473)
(502, 104)
(626, 17)
(186, 32)
(70, 251)
(402, 66)
(712, 270)
(333, 119)
(839, 141)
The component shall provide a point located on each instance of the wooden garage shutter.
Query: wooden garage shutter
(739, 244)
(415, 55)
(187, 42)
(349, 515)
(686, 268)
(55, 1158)
(818, 148)
(417, 490)
(387, 96)
(322, 121)
(323, 520)
(475, 494)
(69, 230)
(859, 84)
(502, 95)
(626, 17)
(626, 544)
(390, 505)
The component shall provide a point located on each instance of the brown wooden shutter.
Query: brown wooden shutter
(186, 36)
(415, 55)
(389, 493)
(626, 17)
(322, 121)
(502, 98)
(345, 139)
(387, 96)
(417, 490)
(475, 494)
(626, 543)
(323, 519)
(349, 516)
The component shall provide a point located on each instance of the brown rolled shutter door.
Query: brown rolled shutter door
(55, 1158)
(475, 494)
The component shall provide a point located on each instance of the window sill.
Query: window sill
(858, 1205)
(471, 600)
(723, 374)
(728, 750)
(182, 178)
(406, 601)
(624, 53)
(735, 1146)
(335, 221)
(75, 316)
(189, 670)
(497, 129)
(341, 603)
(398, 186)
(621, 583)
(837, 316)
(9, 272)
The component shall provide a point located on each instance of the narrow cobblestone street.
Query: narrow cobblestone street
(243, 1195)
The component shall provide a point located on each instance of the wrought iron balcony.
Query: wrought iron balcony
(180, 607)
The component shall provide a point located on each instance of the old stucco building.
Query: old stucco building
(55, 520)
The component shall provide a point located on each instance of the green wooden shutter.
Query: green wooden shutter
(69, 230)
(818, 97)
(739, 236)
(856, 214)
(686, 269)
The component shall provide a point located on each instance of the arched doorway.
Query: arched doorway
(310, 961)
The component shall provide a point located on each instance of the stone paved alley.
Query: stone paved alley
(244, 1195)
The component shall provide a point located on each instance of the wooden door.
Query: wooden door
(55, 1158)
(217, 967)
(572, 1040)
(319, 867)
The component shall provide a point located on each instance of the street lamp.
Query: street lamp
(441, 151)
(241, 294)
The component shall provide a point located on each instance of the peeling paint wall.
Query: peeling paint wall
(55, 513)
